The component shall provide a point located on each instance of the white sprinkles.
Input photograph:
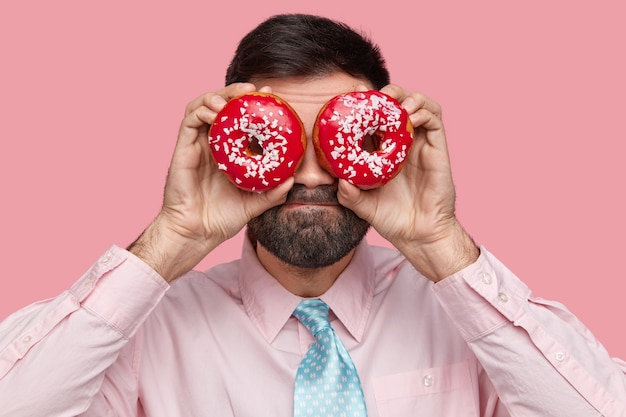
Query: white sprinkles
(233, 138)
(359, 118)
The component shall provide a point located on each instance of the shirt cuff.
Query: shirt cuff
(482, 297)
(121, 289)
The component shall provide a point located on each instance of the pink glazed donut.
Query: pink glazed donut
(258, 141)
(351, 120)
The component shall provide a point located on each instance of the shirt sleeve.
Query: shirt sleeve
(54, 354)
(541, 359)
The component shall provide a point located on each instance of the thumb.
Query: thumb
(278, 195)
(355, 199)
(270, 198)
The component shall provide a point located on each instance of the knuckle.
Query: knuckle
(188, 109)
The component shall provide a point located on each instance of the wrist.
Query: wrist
(169, 253)
(438, 259)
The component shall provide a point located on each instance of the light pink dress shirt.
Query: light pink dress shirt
(121, 342)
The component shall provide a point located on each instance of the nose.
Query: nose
(310, 173)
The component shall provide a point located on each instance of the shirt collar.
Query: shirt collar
(269, 305)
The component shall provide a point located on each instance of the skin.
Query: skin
(191, 224)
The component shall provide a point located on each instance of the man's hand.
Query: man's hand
(416, 210)
(201, 208)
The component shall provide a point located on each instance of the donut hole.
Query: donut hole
(372, 142)
(254, 147)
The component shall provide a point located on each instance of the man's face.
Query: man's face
(311, 230)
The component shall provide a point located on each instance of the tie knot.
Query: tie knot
(313, 313)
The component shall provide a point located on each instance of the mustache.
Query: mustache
(322, 194)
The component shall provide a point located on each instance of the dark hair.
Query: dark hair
(290, 45)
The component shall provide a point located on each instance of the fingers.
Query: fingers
(412, 101)
(424, 113)
(201, 112)
(215, 101)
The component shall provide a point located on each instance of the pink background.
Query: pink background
(91, 95)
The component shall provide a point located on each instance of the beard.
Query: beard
(309, 237)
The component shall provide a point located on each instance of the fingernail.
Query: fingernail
(409, 103)
(218, 100)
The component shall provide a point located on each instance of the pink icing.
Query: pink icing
(269, 125)
(347, 120)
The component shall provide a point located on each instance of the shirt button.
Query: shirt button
(487, 278)
(105, 259)
(26, 339)
(559, 356)
(503, 297)
(89, 279)
(428, 381)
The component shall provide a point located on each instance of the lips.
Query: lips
(309, 205)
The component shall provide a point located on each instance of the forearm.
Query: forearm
(61, 350)
(528, 382)
(51, 379)
(540, 358)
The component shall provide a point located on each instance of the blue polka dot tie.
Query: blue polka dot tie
(327, 384)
